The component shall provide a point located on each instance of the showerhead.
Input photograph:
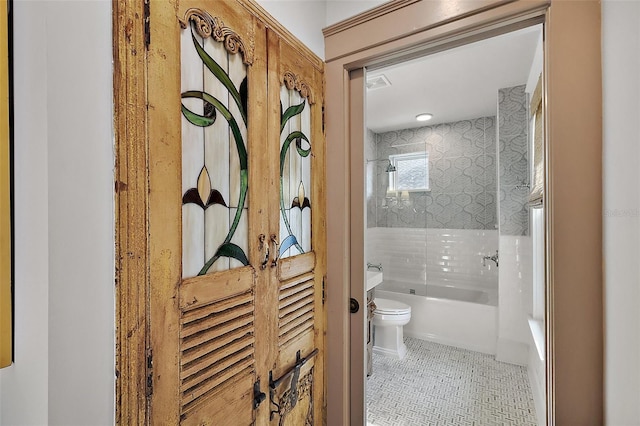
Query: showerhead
(390, 167)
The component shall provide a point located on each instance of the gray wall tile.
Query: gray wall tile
(462, 168)
(512, 110)
(513, 151)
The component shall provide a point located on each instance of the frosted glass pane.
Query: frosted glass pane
(237, 73)
(192, 158)
(192, 240)
(217, 220)
(412, 174)
(240, 238)
(306, 230)
(217, 154)
(284, 100)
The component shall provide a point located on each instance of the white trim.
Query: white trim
(537, 334)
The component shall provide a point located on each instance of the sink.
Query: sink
(374, 278)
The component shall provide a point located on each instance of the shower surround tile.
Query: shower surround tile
(451, 256)
(462, 165)
(512, 110)
(442, 385)
(513, 160)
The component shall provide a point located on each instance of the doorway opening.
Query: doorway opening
(404, 29)
(450, 233)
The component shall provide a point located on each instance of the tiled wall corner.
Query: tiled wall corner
(513, 160)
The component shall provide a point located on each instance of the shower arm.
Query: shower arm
(390, 167)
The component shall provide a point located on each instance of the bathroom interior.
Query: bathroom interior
(454, 236)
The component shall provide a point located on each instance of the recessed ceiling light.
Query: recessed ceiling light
(424, 117)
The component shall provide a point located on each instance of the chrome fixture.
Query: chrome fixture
(390, 167)
(398, 199)
(493, 258)
(373, 266)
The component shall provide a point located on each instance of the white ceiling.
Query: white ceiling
(456, 84)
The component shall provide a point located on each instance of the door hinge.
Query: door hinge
(324, 290)
(147, 19)
(149, 390)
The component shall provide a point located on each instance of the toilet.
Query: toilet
(388, 319)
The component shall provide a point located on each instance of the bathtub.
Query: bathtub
(452, 315)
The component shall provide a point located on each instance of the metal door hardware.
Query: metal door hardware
(263, 248)
(289, 399)
(354, 306)
(274, 241)
(258, 396)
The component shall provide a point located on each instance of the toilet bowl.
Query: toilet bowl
(388, 319)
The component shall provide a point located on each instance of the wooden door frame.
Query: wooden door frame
(131, 210)
(403, 29)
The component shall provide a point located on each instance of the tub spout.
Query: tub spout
(494, 258)
(373, 266)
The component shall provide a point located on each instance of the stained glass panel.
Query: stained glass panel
(214, 157)
(295, 174)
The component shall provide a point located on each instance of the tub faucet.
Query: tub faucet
(372, 266)
(493, 257)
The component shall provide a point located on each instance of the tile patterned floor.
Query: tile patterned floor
(442, 385)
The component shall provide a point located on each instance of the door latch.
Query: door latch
(258, 396)
(290, 398)
(262, 247)
(354, 306)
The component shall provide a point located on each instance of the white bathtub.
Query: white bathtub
(463, 317)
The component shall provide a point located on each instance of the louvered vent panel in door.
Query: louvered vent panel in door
(217, 347)
(296, 308)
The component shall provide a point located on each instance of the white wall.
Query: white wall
(621, 91)
(64, 284)
(81, 230)
(337, 10)
(304, 18)
(24, 385)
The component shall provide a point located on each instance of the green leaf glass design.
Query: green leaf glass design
(296, 136)
(215, 108)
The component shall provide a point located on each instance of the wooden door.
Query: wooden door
(231, 320)
(297, 223)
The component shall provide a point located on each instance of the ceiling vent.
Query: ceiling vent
(378, 82)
